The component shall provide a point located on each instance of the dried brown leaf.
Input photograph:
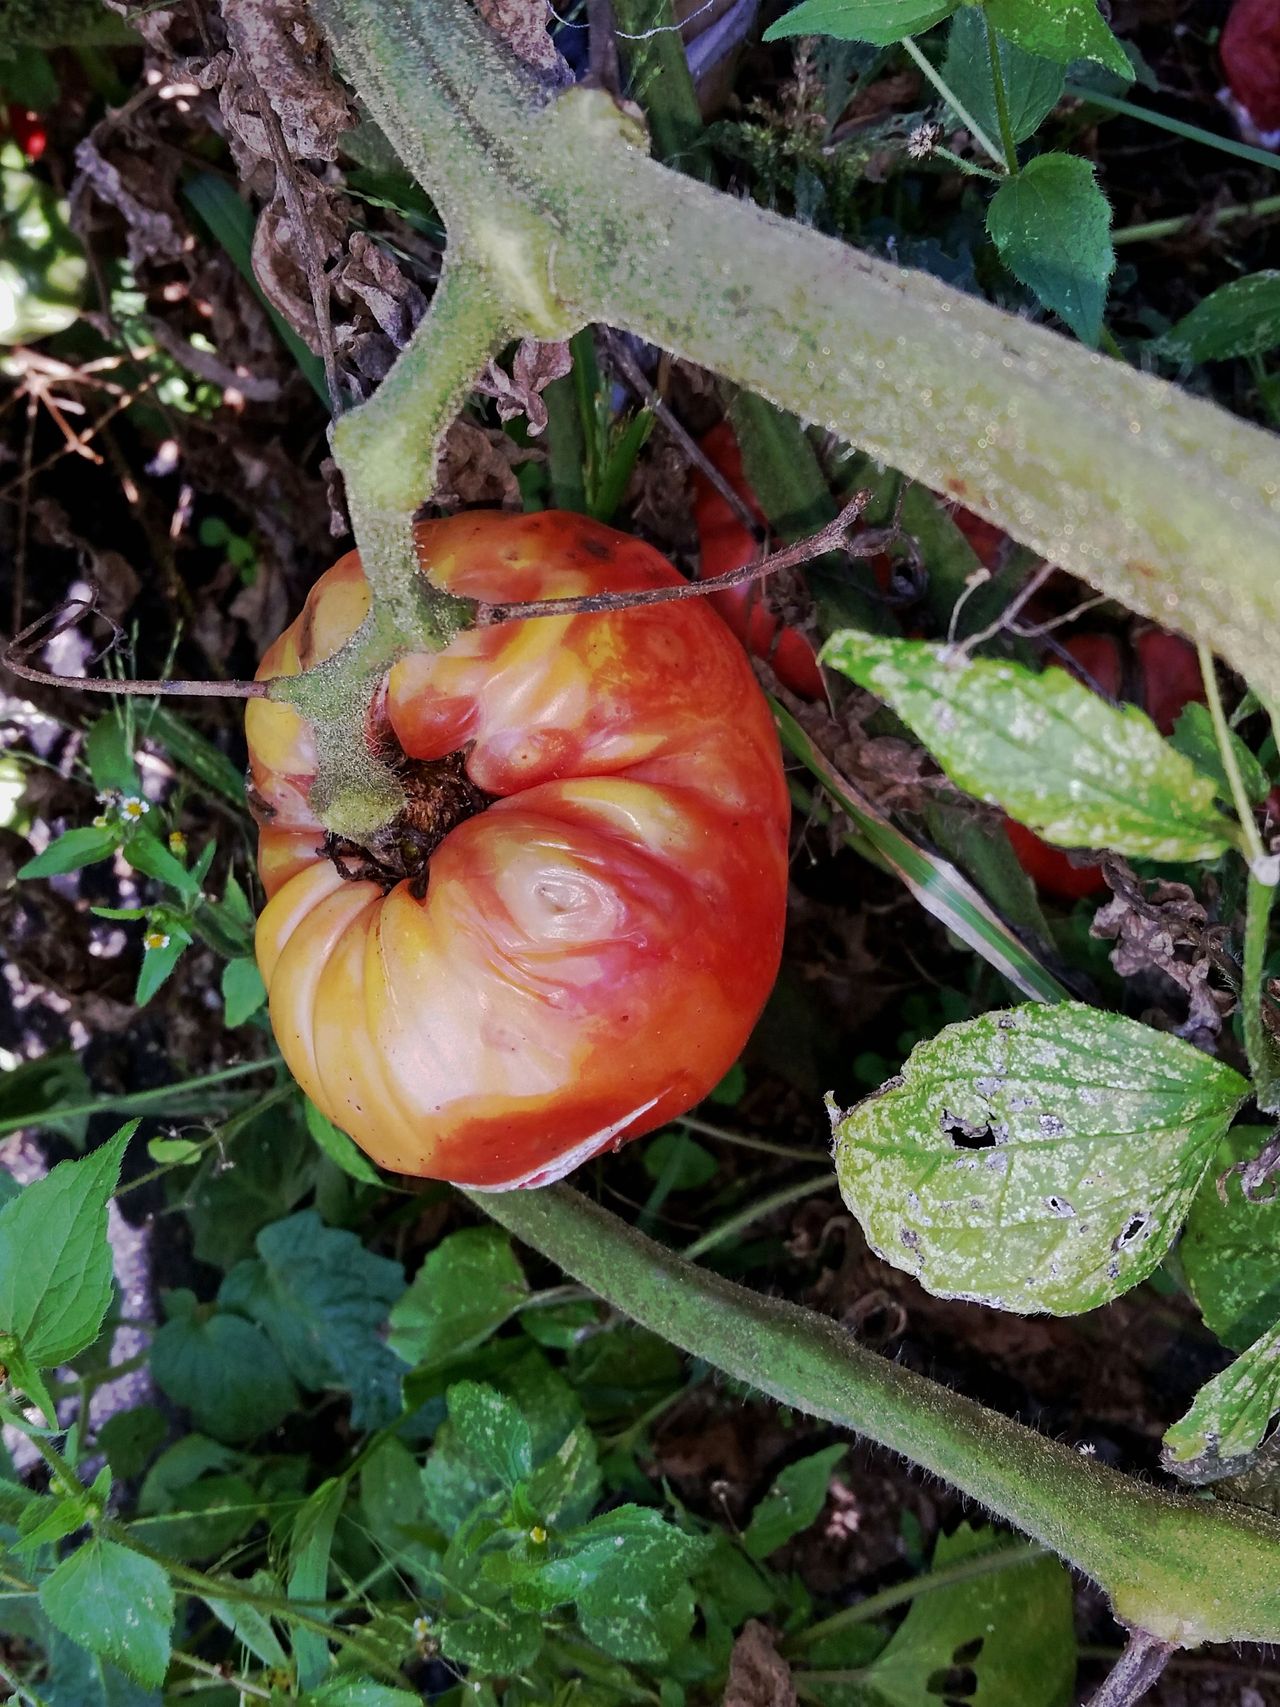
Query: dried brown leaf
(519, 392)
(478, 466)
(758, 1675)
(277, 47)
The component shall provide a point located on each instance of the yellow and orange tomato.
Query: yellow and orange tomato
(583, 957)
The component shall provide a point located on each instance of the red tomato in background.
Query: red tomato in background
(28, 131)
(987, 540)
(727, 543)
(1171, 678)
(593, 948)
(1250, 49)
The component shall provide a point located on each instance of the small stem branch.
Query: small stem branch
(757, 1211)
(934, 76)
(47, 627)
(1139, 1666)
(1263, 867)
(1155, 229)
(946, 1576)
(833, 537)
(1002, 99)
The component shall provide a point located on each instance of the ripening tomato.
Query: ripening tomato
(28, 130)
(1250, 49)
(727, 543)
(1171, 678)
(1049, 868)
(583, 952)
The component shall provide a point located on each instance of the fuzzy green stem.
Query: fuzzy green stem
(1002, 99)
(1188, 1570)
(934, 76)
(1119, 477)
(1262, 867)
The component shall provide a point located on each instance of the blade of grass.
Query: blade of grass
(1175, 127)
(231, 223)
(935, 882)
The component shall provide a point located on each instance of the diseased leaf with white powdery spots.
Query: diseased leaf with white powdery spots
(1054, 755)
(1037, 1159)
(1229, 1415)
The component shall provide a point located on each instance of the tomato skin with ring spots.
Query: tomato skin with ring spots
(592, 947)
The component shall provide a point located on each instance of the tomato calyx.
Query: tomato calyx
(438, 796)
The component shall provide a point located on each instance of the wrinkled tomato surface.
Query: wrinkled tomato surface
(594, 944)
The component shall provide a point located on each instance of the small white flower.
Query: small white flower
(106, 797)
(155, 939)
(421, 1628)
(133, 806)
(923, 140)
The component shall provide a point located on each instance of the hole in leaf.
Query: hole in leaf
(955, 1684)
(968, 1651)
(966, 1135)
(1133, 1229)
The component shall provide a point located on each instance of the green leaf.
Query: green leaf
(41, 267)
(878, 21)
(275, 1165)
(1231, 1249)
(324, 1298)
(222, 1369)
(1193, 735)
(1238, 319)
(243, 992)
(490, 1430)
(1061, 30)
(129, 1438)
(309, 1548)
(55, 1262)
(1229, 1415)
(78, 1678)
(360, 1692)
(174, 1152)
(33, 1093)
(158, 963)
(1054, 755)
(679, 1162)
(109, 755)
(494, 1641)
(344, 1152)
(628, 1573)
(1052, 228)
(793, 1502)
(468, 1286)
(1012, 1630)
(146, 853)
(1033, 86)
(1039, 1159)
(70, 851)
(115, 1603)
(248, 1624)
(206, 763)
